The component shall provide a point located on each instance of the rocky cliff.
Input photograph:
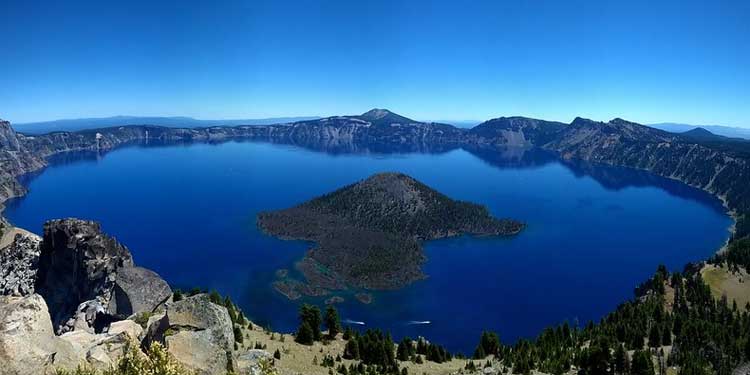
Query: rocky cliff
(64, 298)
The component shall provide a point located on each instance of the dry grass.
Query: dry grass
(735, 286)
(298, 359)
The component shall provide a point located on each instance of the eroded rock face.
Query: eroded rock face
(78, 263)
(28, 344)
(198, 333)
(102, 350)
(137, 289)
(18, 265)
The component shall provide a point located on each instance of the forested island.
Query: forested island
(369, 234)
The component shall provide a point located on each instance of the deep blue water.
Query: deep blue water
(593, 232)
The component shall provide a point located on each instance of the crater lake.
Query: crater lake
(188, 212)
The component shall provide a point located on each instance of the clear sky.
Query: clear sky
(647, 61)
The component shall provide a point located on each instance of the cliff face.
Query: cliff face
(514, 131)
(723, 173)
(722, 169)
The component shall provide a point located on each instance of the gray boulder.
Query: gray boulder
(78, 263)
(198, 333)
(85, 318)
(248, 363)
(18, 264)
(102, 350)
(136, 290)
(28, 344)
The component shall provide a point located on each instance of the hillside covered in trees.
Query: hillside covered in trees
(369, 234)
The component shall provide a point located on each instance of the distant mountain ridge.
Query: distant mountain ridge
(698, 158)
(171, 122)
(727, 131)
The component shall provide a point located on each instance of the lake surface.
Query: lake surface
(188, 212)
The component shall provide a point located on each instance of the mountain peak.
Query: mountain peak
(377, 113)
(380, 115)
(701, 134)
(699, 131)
(583, 121)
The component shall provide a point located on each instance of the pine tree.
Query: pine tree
(654, 337)
(332, 321)
(177, 296)
(214, 297)
(620, 360)
(305, 334)
(238, 335)
(311, 315)
(351, 350)
(489, 344)
(405, 350)
(641, 363)
(666, 338)
(479, 352)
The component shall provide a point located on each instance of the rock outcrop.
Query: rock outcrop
(137, 289)
(249, 363)
(89, 282)
(77, 264)
(198, 333)
(28, 344)
(89, 279)
(102, 350)
(19, 264)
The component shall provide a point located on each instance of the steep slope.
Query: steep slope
(379, 116)
(374, 126)
(724, 173)
(725, 131)
(515, 131)
(369, 233)
(700, 134)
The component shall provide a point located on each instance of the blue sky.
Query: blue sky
(647, 61)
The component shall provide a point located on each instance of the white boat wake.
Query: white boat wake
(418, 322)
(349, 321)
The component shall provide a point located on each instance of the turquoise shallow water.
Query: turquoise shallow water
(593, 232)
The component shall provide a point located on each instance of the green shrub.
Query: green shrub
(142, 319)
(155, 361)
